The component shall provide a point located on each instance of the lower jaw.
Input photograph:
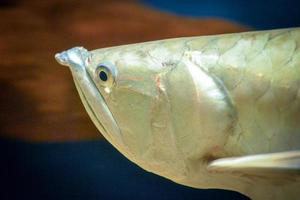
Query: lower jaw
(91, 113)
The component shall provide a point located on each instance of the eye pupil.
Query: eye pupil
(103, 76)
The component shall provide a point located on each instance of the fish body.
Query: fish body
(208, 112)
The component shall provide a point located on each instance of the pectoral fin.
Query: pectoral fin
(272, 163)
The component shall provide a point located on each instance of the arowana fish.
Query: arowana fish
(207, 112)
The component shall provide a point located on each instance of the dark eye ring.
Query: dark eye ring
(106, 74)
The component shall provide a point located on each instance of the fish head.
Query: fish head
(119, 90)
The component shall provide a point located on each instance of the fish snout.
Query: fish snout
(76, 57)
(62, 58)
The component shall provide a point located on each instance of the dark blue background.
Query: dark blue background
(260, 14)
(84, 170)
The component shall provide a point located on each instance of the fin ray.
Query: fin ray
(273, 162)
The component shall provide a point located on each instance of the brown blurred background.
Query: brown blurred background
(38, 100)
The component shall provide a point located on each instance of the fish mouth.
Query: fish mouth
(92, 99)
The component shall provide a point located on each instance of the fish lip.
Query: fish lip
(89, 109)
(76, 57)
(114, 137)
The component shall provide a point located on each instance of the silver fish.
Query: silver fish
(207, 112)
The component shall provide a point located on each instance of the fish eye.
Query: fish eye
(105, 74)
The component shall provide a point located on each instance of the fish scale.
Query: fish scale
(254, 80)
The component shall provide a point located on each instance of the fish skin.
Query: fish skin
(209, 97)
(261, 72)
